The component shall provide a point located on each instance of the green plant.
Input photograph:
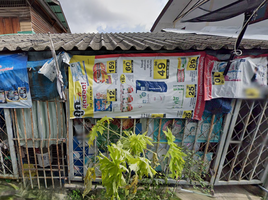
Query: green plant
(126, 164)
(75, 195)
(195, 171)
(175, 156)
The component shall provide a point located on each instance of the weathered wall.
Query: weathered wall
(40, 24)
(14, 19)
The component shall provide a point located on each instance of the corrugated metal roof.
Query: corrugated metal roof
(124, 41)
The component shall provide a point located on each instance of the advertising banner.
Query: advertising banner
(14, 82)
(151, 85)
(246, 78)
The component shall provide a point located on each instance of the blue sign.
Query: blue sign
(14, 82)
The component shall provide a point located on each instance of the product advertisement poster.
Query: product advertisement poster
(14, 86)
(246, 78)
(168, 85)
(191, 131)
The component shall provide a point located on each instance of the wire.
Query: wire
(245, 25)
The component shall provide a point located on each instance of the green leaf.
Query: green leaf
(170, 137)
(113, 169)
(88, 180)
(141, 166)
(175, 155)
(98, 128)
(136, 143)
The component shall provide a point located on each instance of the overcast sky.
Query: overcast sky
(87, 16)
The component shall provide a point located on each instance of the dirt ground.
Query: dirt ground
(226, 193)
(15, 191)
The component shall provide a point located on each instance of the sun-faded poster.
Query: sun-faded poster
(166, 85)
(246, 78)
(14, 82)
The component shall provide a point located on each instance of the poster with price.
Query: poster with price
(154, 85)
(246, 78)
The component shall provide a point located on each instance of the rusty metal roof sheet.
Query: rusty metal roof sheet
(124, 41)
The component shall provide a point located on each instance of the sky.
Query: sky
(88, 16)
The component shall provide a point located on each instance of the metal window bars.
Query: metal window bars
(234, 147)
(202, 137)
(8, 164)
(245, 156)
(40, 157)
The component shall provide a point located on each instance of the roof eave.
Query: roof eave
(53, 15)
(161, 15)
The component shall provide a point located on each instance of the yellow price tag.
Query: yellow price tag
(112, 95)
(111, 66)
(187, 114)
(190, 91)
(252, 93)
(161, 69)
(192, 63)
(127, 66)
(218, 78)
(122, 78)
(158, 115)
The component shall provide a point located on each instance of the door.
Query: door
(244, 158)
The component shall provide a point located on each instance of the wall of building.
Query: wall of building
(41, 25)
(25, 18)
(14, 19)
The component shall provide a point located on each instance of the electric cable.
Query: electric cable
(244, 26)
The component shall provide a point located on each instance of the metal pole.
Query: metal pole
(57, 142)
(69, 143)
(18, 136)
(33, 141)
(239, 39)
(229, 137)
(11, 143)
(84, 151)
(222, 141)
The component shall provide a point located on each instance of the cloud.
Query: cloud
(85, 16)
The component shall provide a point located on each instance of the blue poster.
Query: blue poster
(14, 82)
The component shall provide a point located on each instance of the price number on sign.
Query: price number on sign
(127, 66)
(111, 66)
(192, 63)
(122, 78)
(161, 69)
(218, 78)
(112, 95)
(187, 114)
(190, 91)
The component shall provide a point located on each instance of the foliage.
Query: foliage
(75, 195)
(91, 175)
(136, 143)
(175, 156)
(98, 128)
(112, 170)
(195, 170)
(126, 164)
